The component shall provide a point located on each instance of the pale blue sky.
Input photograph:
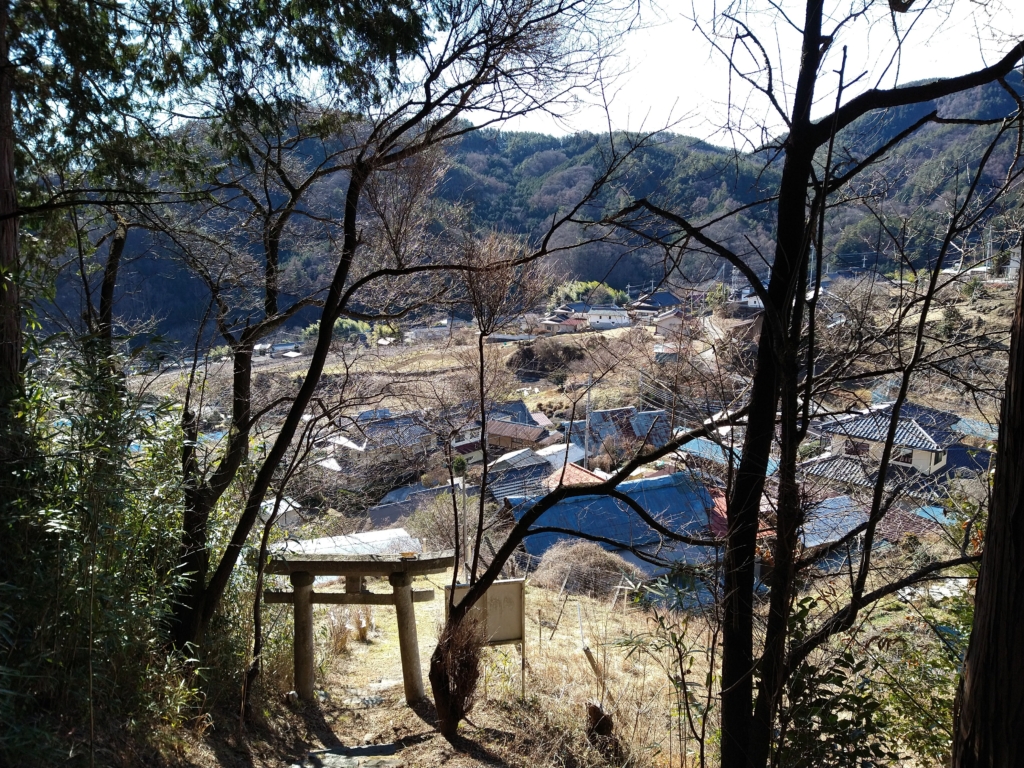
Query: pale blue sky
(673, 77)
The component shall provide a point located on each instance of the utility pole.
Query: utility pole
(586, 425)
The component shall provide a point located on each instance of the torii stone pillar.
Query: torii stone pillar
(302, 586)
(400, 571)
(408, 645)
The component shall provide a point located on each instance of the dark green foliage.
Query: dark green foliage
(459, 466)
(832, 714)
(354, 45)
(951, 324)
(344, 328)
(516, 182)
(82, 68)
(591, 292)
(89, 563)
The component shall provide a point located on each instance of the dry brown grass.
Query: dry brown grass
(364, 697)
(584, 568)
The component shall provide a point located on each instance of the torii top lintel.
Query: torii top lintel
(361, 565)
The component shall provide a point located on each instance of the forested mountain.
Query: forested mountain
(519, 182)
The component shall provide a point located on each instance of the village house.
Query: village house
(517, 473)
(620, 429)
(405, 501)
(560, 454)
(511, 436)
(671, 324)
(424, 333)
(693, 296)
(928, 453)
(463, 423)
(602, 318)
(562, 324)
(380, 436)
(679, 502)
(576, 309)
(651, 305)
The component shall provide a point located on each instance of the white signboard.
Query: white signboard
(501, 611)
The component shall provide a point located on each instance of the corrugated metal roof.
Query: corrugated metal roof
(677, 501)
(526, 432)
(830, 520)
(518, 481)
(524, 457)
(368, 543)
(561, 453)
(976, 428)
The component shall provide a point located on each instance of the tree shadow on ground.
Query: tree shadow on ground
(314, 717)
(465, 742)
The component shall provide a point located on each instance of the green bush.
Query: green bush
(344, 328)
(91, 536)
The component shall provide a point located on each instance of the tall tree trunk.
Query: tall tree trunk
(788, 518)
(990, 702)
(740, 748)
(202, 495)
(333, 306)
(105, 326)
(10, 299)
(193, 559)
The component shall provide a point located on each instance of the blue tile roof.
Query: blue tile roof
(514, 411)
(677, 501)
(962, 461)
(703, 448)
(976, 428)
(579, 307)
(661, 299)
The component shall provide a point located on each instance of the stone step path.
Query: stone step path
(370, 756)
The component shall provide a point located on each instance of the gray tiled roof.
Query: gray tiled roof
(926, 429)
(623, 425)
(961, 462)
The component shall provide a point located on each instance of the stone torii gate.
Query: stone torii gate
(302, 569)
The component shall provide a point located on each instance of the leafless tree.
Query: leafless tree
(791, 373)
(488, 61)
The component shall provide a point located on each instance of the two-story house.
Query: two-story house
(651, 305)
(928, 451)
